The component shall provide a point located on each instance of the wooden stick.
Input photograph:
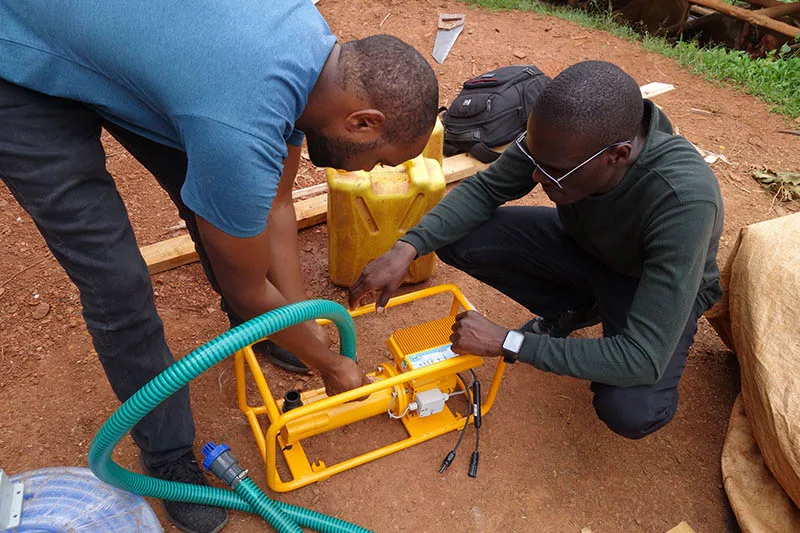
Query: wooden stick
(782, 10)
(779, 10)
(765, 3)
(702, 11)
(25, 269)
(753, 17)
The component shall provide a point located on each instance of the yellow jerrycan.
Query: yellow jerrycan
(435, 147)
(369, 211)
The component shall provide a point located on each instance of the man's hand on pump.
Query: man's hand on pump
(475, 334)
(383, 275)
(340, 374)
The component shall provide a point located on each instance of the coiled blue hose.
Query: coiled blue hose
(179, 375)
(72, 499)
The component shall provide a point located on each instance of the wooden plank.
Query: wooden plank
(306, 192)
(311, 211)
(169, 254)
(753, 17)
(651, 90)
(458, 167)
(683, 527)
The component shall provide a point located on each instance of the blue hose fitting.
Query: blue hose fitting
(223, 464)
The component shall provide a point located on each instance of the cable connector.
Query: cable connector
(223, 464)
(447, 461)
(473, 464)
(476, 417)
(476, 403)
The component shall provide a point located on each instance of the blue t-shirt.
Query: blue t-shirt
(223, 81)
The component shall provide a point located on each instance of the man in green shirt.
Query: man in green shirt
(632, 243)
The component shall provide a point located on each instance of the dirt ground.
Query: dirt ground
(547, 464)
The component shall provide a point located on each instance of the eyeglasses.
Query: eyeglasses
(521, 144)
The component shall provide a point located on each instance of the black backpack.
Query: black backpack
(491, 110)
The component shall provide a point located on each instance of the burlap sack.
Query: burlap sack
(758, 501)
(760, 320)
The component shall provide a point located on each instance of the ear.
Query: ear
(365, 121)
(619, 155)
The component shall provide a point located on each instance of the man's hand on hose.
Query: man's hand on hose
(475, 334)
(340, 374)
(383, 275)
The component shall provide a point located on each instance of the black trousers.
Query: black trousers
(52, 161)
(525, 253)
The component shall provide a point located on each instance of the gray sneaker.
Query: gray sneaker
(569, 321)
(188, 517)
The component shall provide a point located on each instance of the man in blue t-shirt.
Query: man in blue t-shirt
(214, 98)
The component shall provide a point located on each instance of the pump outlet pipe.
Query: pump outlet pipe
(286, 517)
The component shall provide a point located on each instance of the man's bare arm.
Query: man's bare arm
(240, 266)
(286, 274)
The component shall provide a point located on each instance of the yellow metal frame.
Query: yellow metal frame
(287, 429)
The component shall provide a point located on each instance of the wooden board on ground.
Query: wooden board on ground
(683, 527)
(169, 254)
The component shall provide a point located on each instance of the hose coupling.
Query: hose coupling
(220, 461)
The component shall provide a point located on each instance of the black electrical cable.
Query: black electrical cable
(452, 455)
(476, 414)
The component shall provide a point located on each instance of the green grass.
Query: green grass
(774, 80)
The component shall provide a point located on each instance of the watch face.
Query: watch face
(513, 341)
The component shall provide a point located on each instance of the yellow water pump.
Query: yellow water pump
(413, 388)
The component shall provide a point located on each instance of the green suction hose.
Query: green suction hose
(288, 517)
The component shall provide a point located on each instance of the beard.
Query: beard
(335, 152)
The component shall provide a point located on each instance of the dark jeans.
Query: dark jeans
(524, 253)
(53, 163)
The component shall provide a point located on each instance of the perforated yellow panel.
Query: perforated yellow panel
(420, 337)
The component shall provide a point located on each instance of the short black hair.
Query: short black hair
(594, 98)
(395, 79)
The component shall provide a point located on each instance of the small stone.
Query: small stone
(519, 55)
(41, 310)
(2, 290)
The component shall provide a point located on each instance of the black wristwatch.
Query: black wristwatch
(512, 345)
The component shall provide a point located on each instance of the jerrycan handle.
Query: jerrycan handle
(412, 170)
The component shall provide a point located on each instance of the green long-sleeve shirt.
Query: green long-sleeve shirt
(660, 224)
